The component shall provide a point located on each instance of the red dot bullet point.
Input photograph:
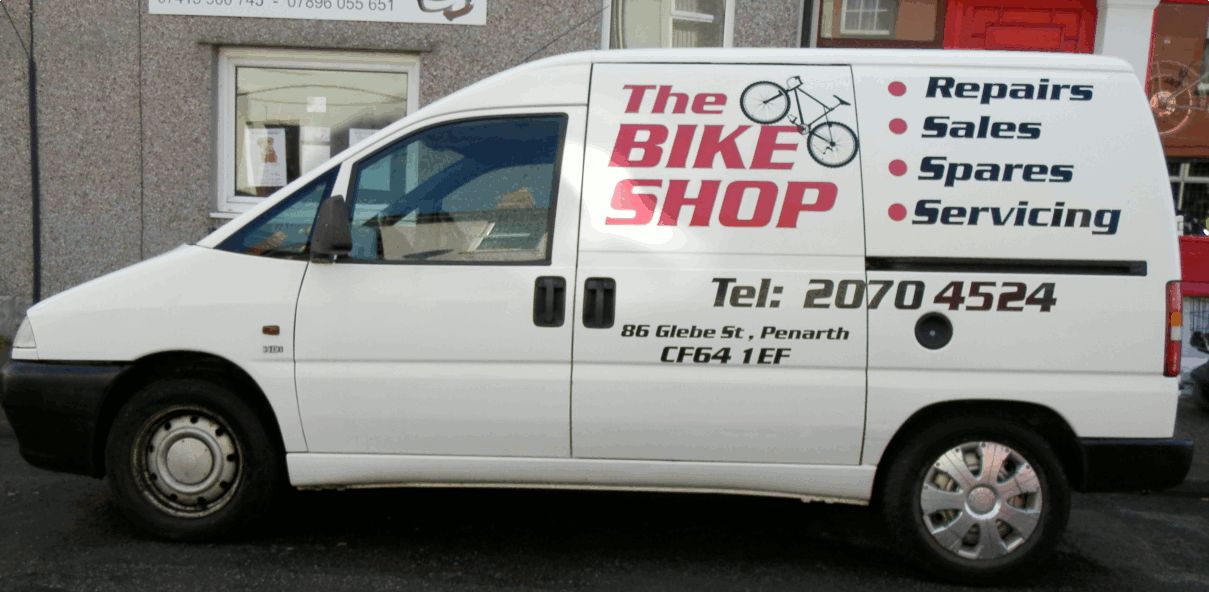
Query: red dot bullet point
(897, 88)
(898, 212)
(898, 126)
(898, 168)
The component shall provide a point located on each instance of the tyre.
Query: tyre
(975, 500)
(1200, 394)
(764, 102)
(832, 144)
(187, 459)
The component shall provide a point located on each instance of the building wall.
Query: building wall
(127, 113)
(15, 238)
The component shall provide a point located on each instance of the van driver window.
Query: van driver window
(478, 191)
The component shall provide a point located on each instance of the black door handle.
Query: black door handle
(600, 299)
(549, 301)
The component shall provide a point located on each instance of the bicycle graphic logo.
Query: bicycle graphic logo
(830, 143)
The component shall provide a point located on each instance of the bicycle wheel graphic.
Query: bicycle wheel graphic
(764, 102)
(832, 144)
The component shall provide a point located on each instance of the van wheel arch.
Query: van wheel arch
(175, 365)
(1047, 422)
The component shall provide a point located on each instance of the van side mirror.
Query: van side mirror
(332, 238)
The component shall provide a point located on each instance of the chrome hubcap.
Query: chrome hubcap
(190, 462)
(981, 500)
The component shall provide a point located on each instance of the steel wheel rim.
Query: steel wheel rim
(981, 501)
(187, 462)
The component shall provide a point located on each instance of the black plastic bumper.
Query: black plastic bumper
(54, 408)
(1111, 464)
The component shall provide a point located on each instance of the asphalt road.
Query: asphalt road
(60, 532)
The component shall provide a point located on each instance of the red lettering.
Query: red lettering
(642, 204)
(713, 144)
(703, 101)
(681, 145)
(661, 98)
(767, 146)
(766, 200)
(636, 93)
(793, 201)
(627, 142)
(703, 204)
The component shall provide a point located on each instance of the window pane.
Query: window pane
(913, 22)
(472, 192)
(668, 23)
(1195, 208)
(1198, 168)
(290, 120)
(284, 230)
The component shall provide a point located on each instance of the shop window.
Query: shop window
(668, 23)
(880, 23)
(282, 113)
(1178, 84)
(1190, 190)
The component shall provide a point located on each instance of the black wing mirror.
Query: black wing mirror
(332, 238)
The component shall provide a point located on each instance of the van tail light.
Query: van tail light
(1175, 324)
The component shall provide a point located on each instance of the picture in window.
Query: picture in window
(290, 120)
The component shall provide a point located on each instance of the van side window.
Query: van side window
(285, 229)
(473, 192)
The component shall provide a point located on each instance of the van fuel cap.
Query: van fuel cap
(933, 330)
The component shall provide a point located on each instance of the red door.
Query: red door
(1034, 25)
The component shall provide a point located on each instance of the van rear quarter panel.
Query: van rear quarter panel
(1003, 163)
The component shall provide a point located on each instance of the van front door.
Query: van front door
(722, 267)
(446, 330)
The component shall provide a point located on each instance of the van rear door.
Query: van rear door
(722, 307)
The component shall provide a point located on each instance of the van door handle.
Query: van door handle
(549, 301)
(600, 298)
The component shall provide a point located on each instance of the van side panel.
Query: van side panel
(714, 223)
(1033, 212)
(174, 302)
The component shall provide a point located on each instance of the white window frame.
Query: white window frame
(229, 205)
(1183, 178)
(844, 30)
(728, 26)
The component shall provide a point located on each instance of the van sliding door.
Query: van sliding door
(722, 308)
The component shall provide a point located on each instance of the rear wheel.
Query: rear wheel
(189, 460)
(976, 500)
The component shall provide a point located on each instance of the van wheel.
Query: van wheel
(189, 460)
(1201, 395)
(976, 503)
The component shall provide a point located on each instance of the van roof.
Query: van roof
(563, 79)
(911, 57)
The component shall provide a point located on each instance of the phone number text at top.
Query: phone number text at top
(373, 5)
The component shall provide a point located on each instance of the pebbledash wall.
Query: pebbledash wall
(128, 101)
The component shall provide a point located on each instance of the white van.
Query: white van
(944, 283)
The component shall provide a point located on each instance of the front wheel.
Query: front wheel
(764, 102)
(187, 459)
(832, 144)
(976, 503)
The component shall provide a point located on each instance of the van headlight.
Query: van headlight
(25, 336)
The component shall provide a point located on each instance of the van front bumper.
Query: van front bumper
(1111, 464)
(54, 409)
